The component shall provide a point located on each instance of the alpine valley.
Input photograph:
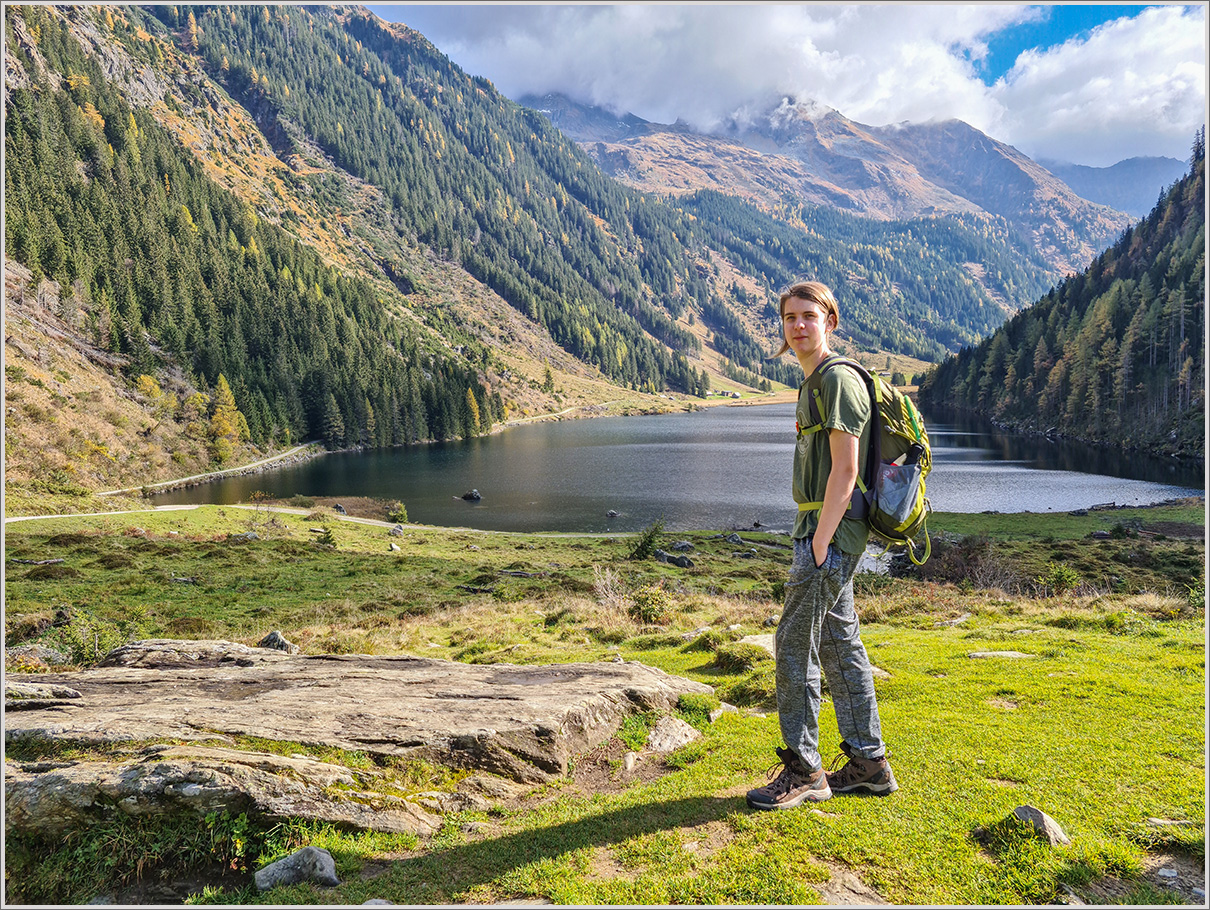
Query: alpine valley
(230, 229)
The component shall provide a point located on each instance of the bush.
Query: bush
(649, 605)
(647, 541)
(757, 690)
(397, 512)
(1059, 578)
(740, 657)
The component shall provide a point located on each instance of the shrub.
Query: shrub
(649, 605)
(1197, 594)
(299, 501)
(647, 541)
(1059, 578)
(397, 512)
(757, 690)
(740, 657)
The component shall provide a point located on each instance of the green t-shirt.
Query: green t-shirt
(846, 407)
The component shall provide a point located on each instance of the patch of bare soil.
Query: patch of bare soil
(1157, 870)
(844, 888)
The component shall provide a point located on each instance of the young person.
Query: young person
(818, 629)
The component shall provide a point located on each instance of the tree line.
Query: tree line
(1114, 354)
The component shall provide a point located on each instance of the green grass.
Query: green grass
(1102, 726)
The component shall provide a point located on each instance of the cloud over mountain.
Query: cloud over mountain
(1135, 86)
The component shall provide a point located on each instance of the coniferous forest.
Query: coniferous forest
(1115, 354)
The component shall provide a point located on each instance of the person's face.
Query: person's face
(806, 325)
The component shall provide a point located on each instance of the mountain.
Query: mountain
(261, 224)
(1115, 354)
(816, 155)
(1130, 186)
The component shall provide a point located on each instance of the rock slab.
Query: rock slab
(520, 722)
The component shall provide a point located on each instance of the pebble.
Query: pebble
(1168, 874)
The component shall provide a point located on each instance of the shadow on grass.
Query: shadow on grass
(446, 872)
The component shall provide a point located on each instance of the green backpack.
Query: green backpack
(890, 495)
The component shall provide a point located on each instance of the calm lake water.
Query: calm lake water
(721, 467)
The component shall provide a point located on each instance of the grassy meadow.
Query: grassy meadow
(1101, 725)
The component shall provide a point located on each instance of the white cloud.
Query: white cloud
(1138, 83)
(1136, 86)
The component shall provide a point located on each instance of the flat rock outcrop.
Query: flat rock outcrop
(53, 798)
(520, 722)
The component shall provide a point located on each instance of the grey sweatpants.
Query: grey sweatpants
(819, 631)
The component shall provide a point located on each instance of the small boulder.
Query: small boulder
(397, 531)
(308, 864)
(669, 734)
(278, 642)
(612, 513)
(1046, 827)
(472, 496)
(339, 509)
(682, 546)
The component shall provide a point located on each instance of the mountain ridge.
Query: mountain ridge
(817, 154)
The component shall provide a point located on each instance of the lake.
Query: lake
(720, 467)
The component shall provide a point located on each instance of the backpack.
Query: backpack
(890, 495)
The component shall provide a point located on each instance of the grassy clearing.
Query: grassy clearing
(1101, 726)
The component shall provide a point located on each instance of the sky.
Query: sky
(1090, 84)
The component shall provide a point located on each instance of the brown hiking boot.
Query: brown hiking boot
(862, 775)
(792, 787)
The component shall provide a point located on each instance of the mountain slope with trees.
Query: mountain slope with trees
(1115, 354)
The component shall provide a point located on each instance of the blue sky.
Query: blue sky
(1055, 25)
(1090, 84)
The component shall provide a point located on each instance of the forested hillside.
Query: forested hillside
(1115, 354)
(165, 268)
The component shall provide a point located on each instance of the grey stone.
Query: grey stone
(37, 652)
(953, 622)
(1198, 895)
(396, 531)
(722, 709)
(278, 642)
(1168, 874)
(1045, 826)
(308, 864)
(670, 734)
(394, 547)
(630, 761)
(682, 546)
(771, 621)
(733, 538)
(683, 562)
(519, 722)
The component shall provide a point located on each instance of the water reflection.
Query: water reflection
(718, 468)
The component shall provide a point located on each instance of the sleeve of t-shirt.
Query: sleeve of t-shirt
(846, 401)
